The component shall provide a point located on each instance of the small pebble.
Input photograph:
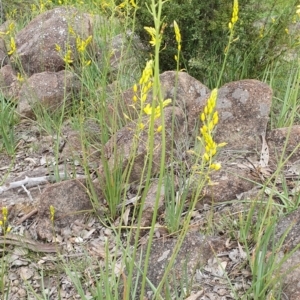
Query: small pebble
(22, 293)
(16, 282)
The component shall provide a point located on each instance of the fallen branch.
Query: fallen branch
(32, 181)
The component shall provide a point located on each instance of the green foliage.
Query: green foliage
(204, 29)
(7, 138)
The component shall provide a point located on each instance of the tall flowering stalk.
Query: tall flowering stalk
(210, 119)
(231, 39)
(178, 40)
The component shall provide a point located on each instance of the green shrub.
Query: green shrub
(204, 29)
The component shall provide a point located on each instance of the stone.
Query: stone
(48, 89)
(70, 200)
(9, 84)
(4, 60)
(284, 142)
(122, 48)
(36, 42)
(244, 108)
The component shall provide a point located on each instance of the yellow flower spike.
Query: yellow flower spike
(52, 213)
(141, 126)
(175, 57)
(159, 128)
(71, 30)
(4, 211)
(135, 88)
(11, 28)
(134, 98)
(235, 13)
(68, 57)
(12, 46)
(57, 48)
(177, 32)
(152, 33)
(8, 229)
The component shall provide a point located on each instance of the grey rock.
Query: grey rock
(47, 89)
(36, 42)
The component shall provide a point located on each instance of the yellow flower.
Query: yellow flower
(82, 44)
(86, 62)
(167, 102)
(202, 117)
(133, 3)
(122, 5)
(11, 28)
(215, 166)
(141, 126)
(177, 33)
(148, 109)
(222, 145)
(206, 156)
(147, 72)
(152, 33)
(57, 48)
(12, 46)
(135, 88)
(68, 57)
(20, 78)
(71, 31)
(234, 17)
(216, 118)
(159, 128)
(52, 213)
